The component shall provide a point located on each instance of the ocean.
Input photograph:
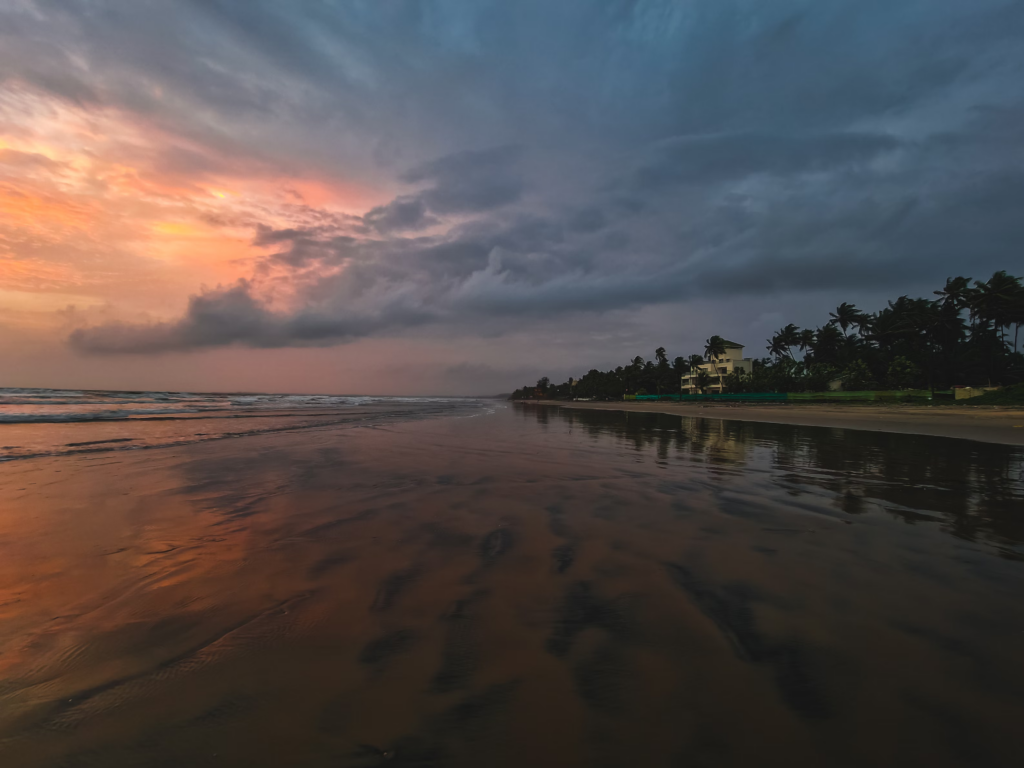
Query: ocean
(47, 422)
(433, 582)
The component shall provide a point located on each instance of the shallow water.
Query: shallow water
(526, 586)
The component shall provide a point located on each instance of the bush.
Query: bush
(903, 374)
(857, 377)
(818, 377)
(736, 381)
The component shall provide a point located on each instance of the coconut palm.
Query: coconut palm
(1015, 314)
(776, 347)
(845, 316)
(785, 339)
(806, 339)
(791, 336)
(994, 299)
(714, 348)
(956, 292)
(702, 381)
(634, 372)
(826, 343)
(663, 369)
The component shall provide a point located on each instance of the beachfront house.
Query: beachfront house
(718, 368)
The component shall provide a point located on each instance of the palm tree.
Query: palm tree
(702, 381)
(679, 369)
(883, 328)
(633, 371)
(826, 344)
(713, 349)
(865, 324)
(956, 292)
(845, 316)
(806, 340)
(997, 301)
(693, 364)
(789, 337)
(663, 368)
(1015, 314)
(994, 299)
(776, 347)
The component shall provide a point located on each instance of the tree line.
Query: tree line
(968, 334)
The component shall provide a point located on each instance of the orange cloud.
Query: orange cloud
(102, 203)
(339, 195)
(46, 214)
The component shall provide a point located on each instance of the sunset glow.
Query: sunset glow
(511, 383)
(94, 200)
(471, 183)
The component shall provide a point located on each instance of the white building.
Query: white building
(718, 368)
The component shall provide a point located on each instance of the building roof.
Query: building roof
(731, 344)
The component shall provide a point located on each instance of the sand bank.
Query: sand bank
(990, 424)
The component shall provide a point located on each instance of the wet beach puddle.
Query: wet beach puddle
(533, 586)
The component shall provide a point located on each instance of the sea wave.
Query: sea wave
(114, 445)
(53, 398)
(110, 415)
(93, 421)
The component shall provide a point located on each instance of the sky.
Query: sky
(458, 197)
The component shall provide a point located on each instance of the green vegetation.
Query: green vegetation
(967, 336)
(1011, 395)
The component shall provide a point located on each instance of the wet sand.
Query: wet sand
(992, 424)
(534, 586)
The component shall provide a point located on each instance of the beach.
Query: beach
(994, 424)
(510, 585)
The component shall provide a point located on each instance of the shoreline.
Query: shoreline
(987, 424)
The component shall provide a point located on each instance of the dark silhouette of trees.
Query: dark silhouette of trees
(968, 334)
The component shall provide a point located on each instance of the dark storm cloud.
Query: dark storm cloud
(224, 317)
(714, 159)
(233, 315)
(463, 183)
(470, 182)
(554, 158)
(587, 220)
(402, 213)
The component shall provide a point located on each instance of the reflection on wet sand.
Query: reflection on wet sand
(531, 587)
(973, 488)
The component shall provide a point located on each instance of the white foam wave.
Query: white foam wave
(27, 406)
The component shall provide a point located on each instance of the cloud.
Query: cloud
(727, 157)
(232, 315)
(470, 182)
(552, 162)
(12, 157)
(587, 220)
(214, 318)
(401, 214)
